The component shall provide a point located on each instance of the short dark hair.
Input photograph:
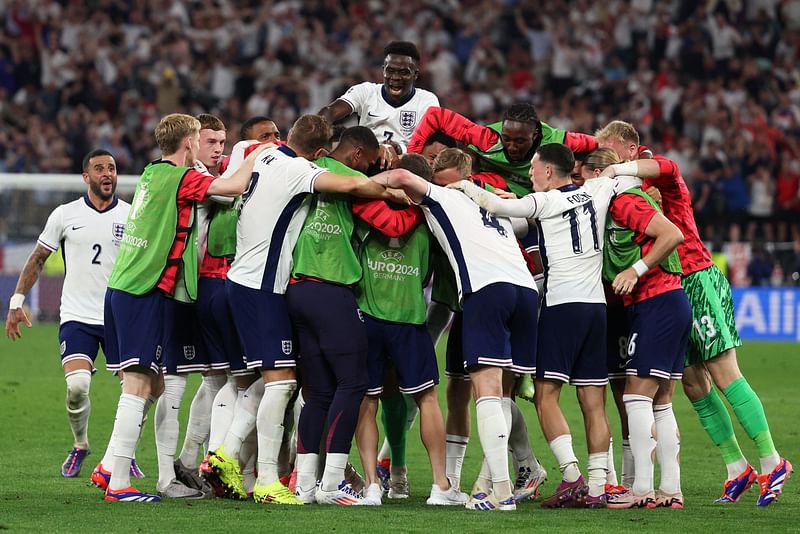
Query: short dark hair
(402, 48)
(359, 136)
(441, 137)
(522, 112)
(249, 123)
(311, 132)
(210, 122)
(93, 154)
(559, 156)
(417, 164)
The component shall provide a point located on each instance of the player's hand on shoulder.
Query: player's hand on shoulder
(13, 319)
(609, 171)
(625, 281)
(398, 196)
(502, 193)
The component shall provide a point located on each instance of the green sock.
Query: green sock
(394, 419)
(750, 413)
(717, 423)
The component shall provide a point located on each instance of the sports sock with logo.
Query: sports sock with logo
(198, 428)
(221, 414)
(716, 421)
(493, 434)
(668, 448)
(79, 406)
(269, 425)
(167, 427)
(750, 413)
(130, 411)
(244, 418)
(641, 426)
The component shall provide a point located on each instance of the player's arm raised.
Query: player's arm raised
(523, 208)
(336, 110)
(236, 184)
(29, 275)
(667, 238)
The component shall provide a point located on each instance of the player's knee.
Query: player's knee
(78, 383)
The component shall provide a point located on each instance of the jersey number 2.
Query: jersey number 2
(97, 250)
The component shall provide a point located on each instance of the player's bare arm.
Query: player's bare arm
(641, 168)
(414, 186)
(667, 238)
(30, 274)
(355, 185)
(337, 110)
(236, 184)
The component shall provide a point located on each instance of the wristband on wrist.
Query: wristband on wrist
(17, 300)
(640, 267)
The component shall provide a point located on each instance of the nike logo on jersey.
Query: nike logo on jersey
(372, 114)
(78, 227)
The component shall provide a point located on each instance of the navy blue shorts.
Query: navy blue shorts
(80, 341)
(659, 335)
(181, 354)
(572, 344)
(454, 359)
(262, 323)
(407, 347)
(499, 327)
(217, 337)
(616, 341)
(134, 330)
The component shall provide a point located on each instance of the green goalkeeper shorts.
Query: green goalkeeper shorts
(713, 325)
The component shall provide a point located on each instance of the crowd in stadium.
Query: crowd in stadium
(712, 84)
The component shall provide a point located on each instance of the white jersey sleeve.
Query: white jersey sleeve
(53, 232)
(301, 176)
(358, 97)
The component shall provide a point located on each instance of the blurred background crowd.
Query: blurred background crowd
(714, 85)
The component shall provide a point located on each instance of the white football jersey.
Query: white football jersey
(572, 223)
(271, 217)
(388, 122)
(481, 248)
(89, 241)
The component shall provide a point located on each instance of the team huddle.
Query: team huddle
(309, 280)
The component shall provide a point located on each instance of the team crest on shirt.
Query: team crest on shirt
(408, 119)
(286, 346)
(117, 230)
(188, 352)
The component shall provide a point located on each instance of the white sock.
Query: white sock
(385, 452)
(641, 425)
(130, 411)
(197, 430)
(612, 470)
(768, 463)
(455, 449)
(483, 483)
(79, 406)
(737, 468)
(247, 459)
(270, 428)
(597, 469)
(628, 467)
(565, 456)
(307, 471)
(518, 439)
(668, 448)
(167, 427)
(222, 414)
(287, 455)
(335, 463)
(493, 434)
(244, 418)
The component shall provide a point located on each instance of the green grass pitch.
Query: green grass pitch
(34, 497)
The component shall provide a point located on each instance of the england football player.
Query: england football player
(392, 109)
(261, 129)
(504, 147)
(637, 237)
(499, 302)
(154, 264)
(88, 232)
(571, 341)
(269, 223)
(711, 357)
